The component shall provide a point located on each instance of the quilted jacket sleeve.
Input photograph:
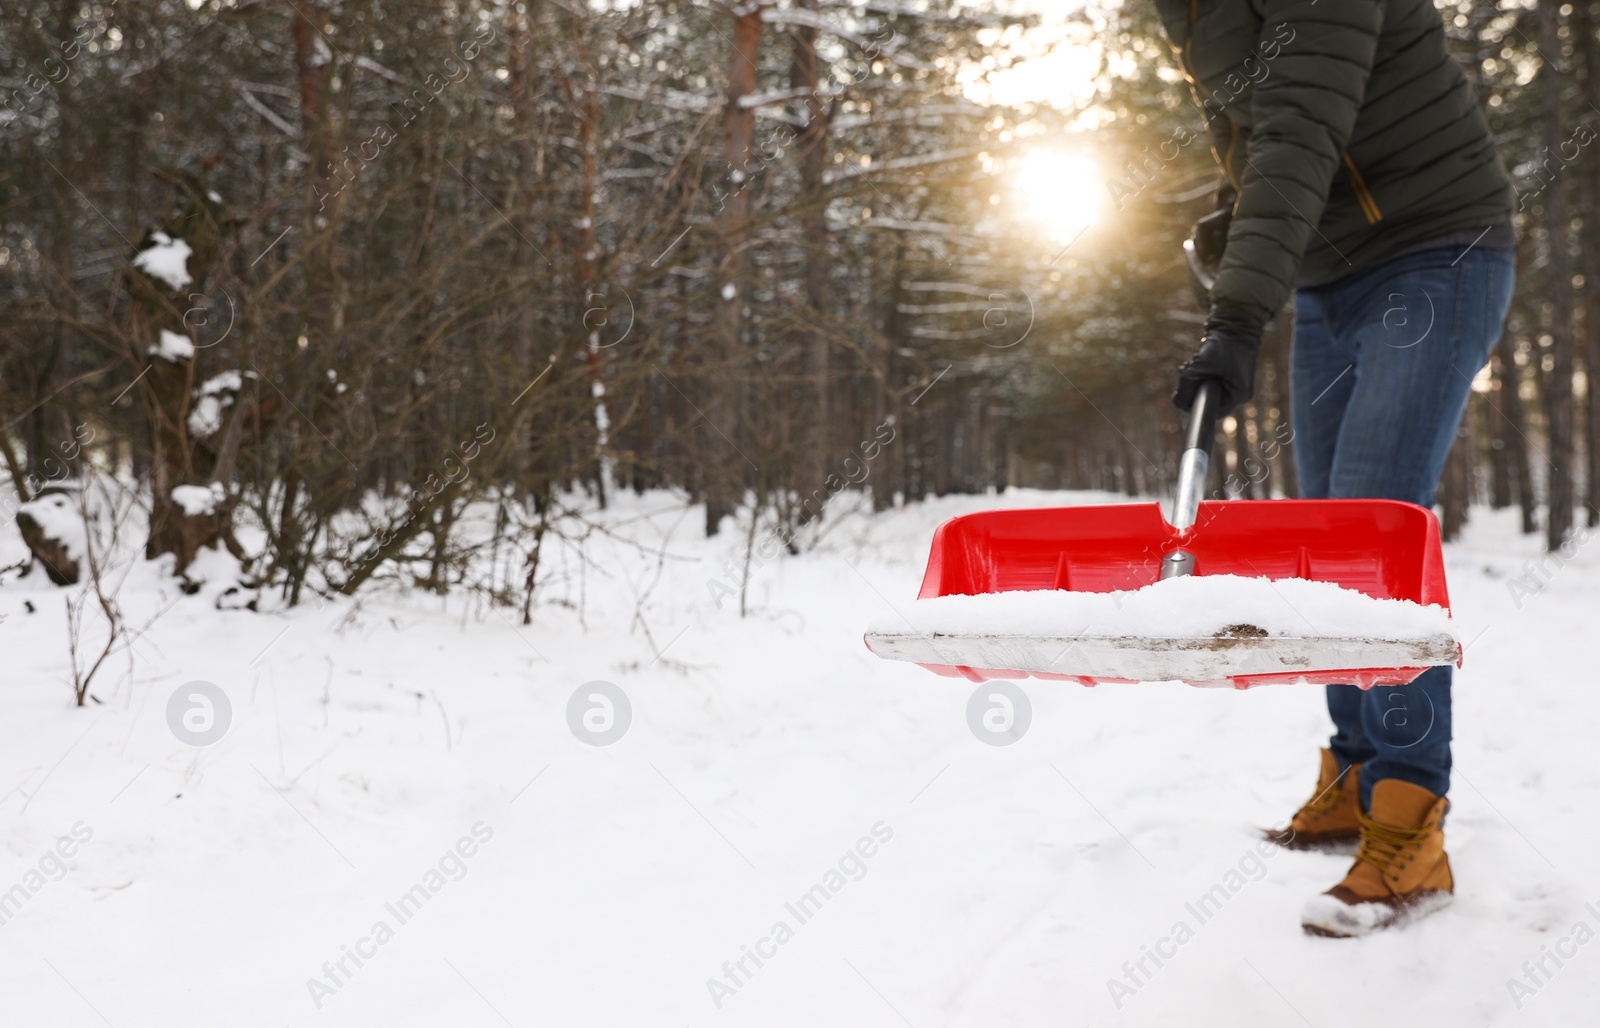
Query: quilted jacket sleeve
(1302, 114)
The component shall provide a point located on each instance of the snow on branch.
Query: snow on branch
(853, 121)
(900, 164)
(675, 99)
(267, 113)
(871, 47)
(975, 307)
(879, 7)
(965, 288)
(968, 16)
(924, 227)
(779, 96)
(166, 259)
(368, 64)
(948, 335)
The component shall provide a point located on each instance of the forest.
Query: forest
(365, 290)
(478, 479)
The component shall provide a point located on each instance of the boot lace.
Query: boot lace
(1383, 846)
(1326, 799)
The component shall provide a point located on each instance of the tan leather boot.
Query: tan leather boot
(1331, 819)
(1401, 871)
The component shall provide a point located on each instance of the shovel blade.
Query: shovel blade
(1203, 661)
(1383, 548)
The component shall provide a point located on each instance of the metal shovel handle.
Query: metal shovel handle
(1193, 467)
(1197, 267)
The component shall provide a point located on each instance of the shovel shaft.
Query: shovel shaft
(1193, 468)
(1195, 463)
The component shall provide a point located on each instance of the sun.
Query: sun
(1060, 191)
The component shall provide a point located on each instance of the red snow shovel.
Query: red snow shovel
(1383, 548)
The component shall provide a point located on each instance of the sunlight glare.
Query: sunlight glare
(1060, 191)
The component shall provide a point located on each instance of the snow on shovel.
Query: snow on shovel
(1231, 592)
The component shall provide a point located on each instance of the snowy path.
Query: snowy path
(400, 750)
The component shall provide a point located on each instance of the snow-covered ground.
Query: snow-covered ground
(400, 781)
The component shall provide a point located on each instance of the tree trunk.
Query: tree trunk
(1515, 419)
(167, 378)
(1454, 496)
(594, 305)
(884, 370)
(308, 25)
(1501, 494)
(1583, 30)
(522, 30)
(1558, 393)
(725, 403)
(813, 156)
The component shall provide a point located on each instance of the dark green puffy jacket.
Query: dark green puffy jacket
(1349, 131)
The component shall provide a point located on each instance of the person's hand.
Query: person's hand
(1227, 356)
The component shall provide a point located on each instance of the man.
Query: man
(1361, 173)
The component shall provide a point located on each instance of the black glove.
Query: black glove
(1227, 356)
(1209, 238)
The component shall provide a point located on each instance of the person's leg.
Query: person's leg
(1320, 385)
(1421, 327)
(1349, 741)
(1409, 727)
(1321, 381)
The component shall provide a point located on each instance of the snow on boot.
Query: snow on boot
(1401, 870)
(1331, 818)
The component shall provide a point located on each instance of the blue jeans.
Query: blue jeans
(1381, 373)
